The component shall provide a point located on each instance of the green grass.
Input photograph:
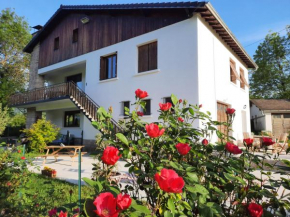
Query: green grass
(40, 194)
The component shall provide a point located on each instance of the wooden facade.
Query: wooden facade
(102, 30)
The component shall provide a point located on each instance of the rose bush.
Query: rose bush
(176, 171)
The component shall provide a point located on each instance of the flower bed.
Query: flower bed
(49, 172)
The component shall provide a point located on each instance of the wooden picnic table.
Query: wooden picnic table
(72, 151)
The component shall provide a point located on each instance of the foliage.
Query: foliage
(40, 134)
(17, 120)
(4, 118)
(14, 35)
(38, 193)
(272, 79)
(214, 181)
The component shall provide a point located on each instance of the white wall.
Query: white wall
(177, 69)
(184, 49)
(268, 122)
(214, 78)
(258, 117)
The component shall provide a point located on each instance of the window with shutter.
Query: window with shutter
(147, 57)
(233, 72)
(242, 83)
(108, 67)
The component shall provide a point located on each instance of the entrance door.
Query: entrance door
(77, 79)
(222, 116)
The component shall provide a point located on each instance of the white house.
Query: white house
(271, 115)
(111, 50)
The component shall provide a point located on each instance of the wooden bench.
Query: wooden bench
(72, 152)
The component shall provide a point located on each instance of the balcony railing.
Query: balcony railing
(61, 91)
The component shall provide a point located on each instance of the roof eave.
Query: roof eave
(213, 11)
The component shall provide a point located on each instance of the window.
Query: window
(56, 43)
(108, 68)
(72, 119)
(286, 116)
(126, 104)
(168, 99)
(147, 57)
(75, 35)
(242, 79)
(234, 74)
(147, 110)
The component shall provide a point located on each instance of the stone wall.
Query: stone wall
(35, 80)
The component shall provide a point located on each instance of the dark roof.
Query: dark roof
(204, 8)
(272, 104)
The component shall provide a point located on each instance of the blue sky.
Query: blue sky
(249, 20)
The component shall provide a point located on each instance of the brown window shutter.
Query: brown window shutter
(103, 65)
(143, 58)
(152, 53)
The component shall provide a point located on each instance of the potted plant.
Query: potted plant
(49, 172)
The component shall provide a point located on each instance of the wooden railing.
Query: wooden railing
(60, 91)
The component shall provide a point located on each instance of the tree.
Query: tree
(4, 118)
(272, 79)
(14, 63)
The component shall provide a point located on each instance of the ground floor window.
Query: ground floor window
(147, 110)
(72, 119)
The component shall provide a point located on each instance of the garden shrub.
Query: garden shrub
(40, 134)
(4, 118)
(176, 171)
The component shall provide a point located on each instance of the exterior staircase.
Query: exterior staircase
(68, 90)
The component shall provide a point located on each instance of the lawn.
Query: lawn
(40, 193)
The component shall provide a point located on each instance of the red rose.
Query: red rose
(230, 147)
(230, 111)
(267, 141)
(153, 130)
(106, 205)
(19, 151)
(180, 119)
(110, 155)
(140, 113)
(52, 212)
(141, 94)
(53, 172)
(183, 148)
(200, 106)
(8, 183)
(255, 210)
(169, 181)
(180, 100)
(248, 141)
(70, 191)
(22, 158)
(204, 142)
(165, 106)
(62, 214)
(123, 201)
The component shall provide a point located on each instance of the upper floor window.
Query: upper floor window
(108, 68)
(243, 80)
(147, 110)
(72, 119)
(147, 57)
(233, 71)
(242, 83)
(75, 35)
(126, 104)
(56, 43)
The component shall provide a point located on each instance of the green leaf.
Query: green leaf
(171, 205)
(191, 111)
(175, 165)
(192, 176)
(197, 189)
(89, 207)
(122, 138)
(167, 214)
(140, 208)
(174, 99)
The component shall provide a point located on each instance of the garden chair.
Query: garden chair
(281, 143)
